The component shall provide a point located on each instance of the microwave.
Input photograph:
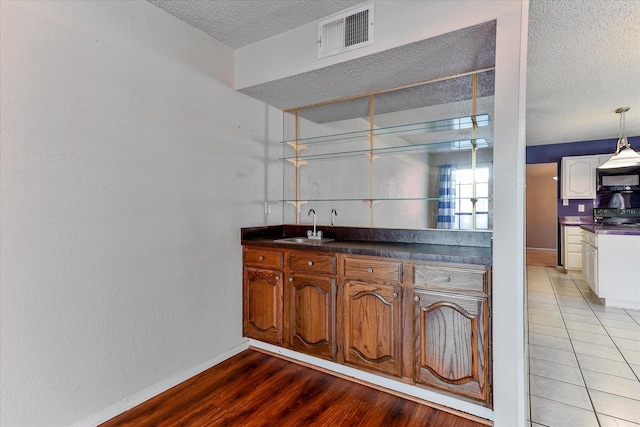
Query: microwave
(617, 196)
(619, 179)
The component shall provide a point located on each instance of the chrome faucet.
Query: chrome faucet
(313, 234)
(334, 213)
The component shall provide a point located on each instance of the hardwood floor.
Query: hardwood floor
(256, 389)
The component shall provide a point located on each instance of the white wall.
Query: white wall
(128, 167)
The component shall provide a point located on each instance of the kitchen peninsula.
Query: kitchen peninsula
(411, 306)
(611, 263)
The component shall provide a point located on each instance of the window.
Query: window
(464, 195)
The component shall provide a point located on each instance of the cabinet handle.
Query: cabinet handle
(291, 279)
(261, 258)
(369, 270)
(277, 277)
(416, 298)
(310, 263)
(395, 295)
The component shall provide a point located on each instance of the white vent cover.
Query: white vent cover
(349, 30)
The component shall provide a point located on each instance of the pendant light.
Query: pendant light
(624, 155)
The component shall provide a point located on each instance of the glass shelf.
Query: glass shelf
(445, 146)
(389, 199)
(452, 124)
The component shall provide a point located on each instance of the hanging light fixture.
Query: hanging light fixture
(624, 155)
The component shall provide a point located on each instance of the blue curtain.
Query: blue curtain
(447, 197)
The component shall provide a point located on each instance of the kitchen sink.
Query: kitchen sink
(303, 241)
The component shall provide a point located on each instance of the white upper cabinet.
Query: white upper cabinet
(579, 176)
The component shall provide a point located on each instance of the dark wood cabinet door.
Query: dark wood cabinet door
(262, 305)
(310, 305)
(451, 343)
(372, 327)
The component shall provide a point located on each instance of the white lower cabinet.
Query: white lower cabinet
(612, 270)
(571, 247)
(590, 260)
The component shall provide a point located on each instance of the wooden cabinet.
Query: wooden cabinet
(262, 302)
(310, 304)
(310, 308)
(451, 341)
(423, 323)
(372, 317)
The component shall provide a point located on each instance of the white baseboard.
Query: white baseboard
(398, 386)
(146, 394)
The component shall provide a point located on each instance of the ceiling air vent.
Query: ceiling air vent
(347, 31)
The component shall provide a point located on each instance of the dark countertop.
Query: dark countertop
(575, 220)
(467, 247)
(622, 230)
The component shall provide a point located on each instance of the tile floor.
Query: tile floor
(584, 358)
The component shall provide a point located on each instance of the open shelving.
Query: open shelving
(364, 154)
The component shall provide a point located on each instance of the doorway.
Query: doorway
(542, 214)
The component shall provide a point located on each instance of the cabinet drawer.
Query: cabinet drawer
(450, 278)
(574, 247)
(372, 270)
(574, 239)
(573, 230)
(312, 262)
(263, 258)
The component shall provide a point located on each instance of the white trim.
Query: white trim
(388, 383)
(156, 389)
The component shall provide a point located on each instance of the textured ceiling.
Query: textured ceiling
(583, 63)
(457, 52)
(583, 60)
(238, 23)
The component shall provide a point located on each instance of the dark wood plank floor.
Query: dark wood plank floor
(256, 389)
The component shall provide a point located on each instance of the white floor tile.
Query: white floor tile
(624, 333)
(548, 330)
(591, 338)
(578, 311)
(629, 388)
(632, 357)
(605, 366)
(559, 391)
(621, 316)
(549, 341)
(616, 406)
(545, 313)
(603, 351)
(591, 320)
(557, 371)
(541, 320)
(630, 325)
(542, 306)
(627, 344)
(556, 414)
(553, 355)
(585, 327)
(607, 421)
